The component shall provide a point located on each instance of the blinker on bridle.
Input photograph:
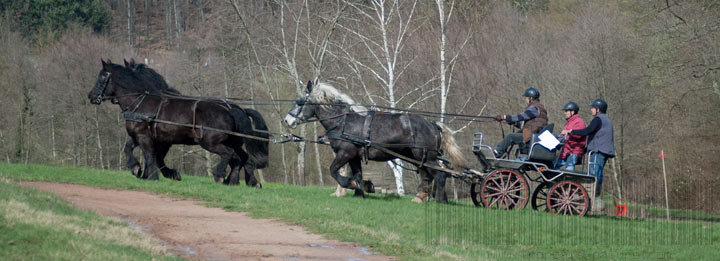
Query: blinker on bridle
(102, 97)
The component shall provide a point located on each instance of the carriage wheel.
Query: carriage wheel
(504, 189)
(539, 197)
(568, 198)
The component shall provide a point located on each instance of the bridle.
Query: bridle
(300, 102)
(102, 97)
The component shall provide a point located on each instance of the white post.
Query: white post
(667, 205)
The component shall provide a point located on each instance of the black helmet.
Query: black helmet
(532, 93)
(571, 106)
(599, 104)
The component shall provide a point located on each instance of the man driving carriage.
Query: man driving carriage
(533, 119)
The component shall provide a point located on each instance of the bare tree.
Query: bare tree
(391, 21)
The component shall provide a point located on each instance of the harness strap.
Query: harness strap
(163, 101)
(194, 111)
(366, 133)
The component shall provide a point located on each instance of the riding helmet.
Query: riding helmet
(599, 104)
(532, 93)
(571, 106)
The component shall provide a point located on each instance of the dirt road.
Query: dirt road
(197, 232)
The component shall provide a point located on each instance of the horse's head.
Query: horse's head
(103, 85)
(303, 109)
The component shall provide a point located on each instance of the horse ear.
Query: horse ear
(126, 63)
(103, 62)
(309, 86)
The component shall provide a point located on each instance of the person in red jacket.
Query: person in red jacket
(574, 147)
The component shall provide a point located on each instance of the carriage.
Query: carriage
(504, 183)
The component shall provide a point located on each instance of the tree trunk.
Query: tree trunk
(397, 170)
(99, 143)
(208, 163)
(443, 74)
(130, 23)
(201, 14)
(52, 140)
(2, 141)
(284, 160)
(147, 19)
(121, 144)
(177, 24)
(168, 23)
(301, 156)
(317, 156)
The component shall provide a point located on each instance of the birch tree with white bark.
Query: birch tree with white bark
(382, 41)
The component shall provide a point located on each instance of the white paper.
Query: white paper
(548, 140)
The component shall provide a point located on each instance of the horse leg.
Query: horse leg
(248, 166)
(132, 162)
(250, 179)
(149, 153)
(226, 154)
(162, 150)
(439, 188)
(423, 193)
(356, 167)
(340, 160)
(234, 178)
(340, 191)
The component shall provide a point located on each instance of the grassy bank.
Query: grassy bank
(395, 226)
(39, 226)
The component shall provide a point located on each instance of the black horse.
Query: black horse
(157, 82)
(355, 134)
(204, 123)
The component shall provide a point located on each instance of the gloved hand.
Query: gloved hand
(499, 117)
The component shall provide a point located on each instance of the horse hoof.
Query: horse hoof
(258, 185)
(136, 171)
(421, 197)
(339, 192)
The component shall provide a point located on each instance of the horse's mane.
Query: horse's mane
(145, 73)
(139, 78)
(324, 93)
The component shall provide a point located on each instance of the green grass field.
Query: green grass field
(394, 226)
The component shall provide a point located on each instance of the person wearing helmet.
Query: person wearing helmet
(534, 118)
(600, 141)
(574, 147)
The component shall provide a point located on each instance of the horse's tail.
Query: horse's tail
(451, 149)
(258, 149)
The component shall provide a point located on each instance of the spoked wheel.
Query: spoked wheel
(504, 189)
(568, 198)
(539, 197)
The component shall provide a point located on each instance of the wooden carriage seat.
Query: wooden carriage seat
(538, 153)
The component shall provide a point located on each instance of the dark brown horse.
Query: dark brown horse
(145, 108)
(352, 135)
(157, 82)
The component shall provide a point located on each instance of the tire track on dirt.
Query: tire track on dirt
(198, 232)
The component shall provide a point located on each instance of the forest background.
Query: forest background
(656, 62)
